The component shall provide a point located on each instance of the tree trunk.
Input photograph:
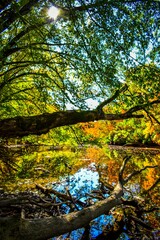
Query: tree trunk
(45, 228)
(40, 124)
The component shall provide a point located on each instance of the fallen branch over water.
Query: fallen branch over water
(41, 216)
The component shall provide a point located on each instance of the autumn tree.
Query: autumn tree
(52, 69)
(51, 65)
(144, 87)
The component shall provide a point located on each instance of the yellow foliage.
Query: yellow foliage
(97, 129)
(95, 154)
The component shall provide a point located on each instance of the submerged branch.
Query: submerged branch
(140, 222)
(126, 159)
(55, 223)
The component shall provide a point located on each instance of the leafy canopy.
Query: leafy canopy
(83, 55)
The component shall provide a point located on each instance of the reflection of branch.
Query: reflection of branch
(140, 222)
(86, 233)
(52, 191)
(126, 159)
(151, 209)
(72, 199)
(134, 173)
(60, 195)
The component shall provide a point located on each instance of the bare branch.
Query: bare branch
(151, 209)
(11, 16)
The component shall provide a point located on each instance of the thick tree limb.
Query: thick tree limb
(40, 124)
(55, 226)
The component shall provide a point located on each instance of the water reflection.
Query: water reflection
(82, 173)
(82, 185)
(46, 165)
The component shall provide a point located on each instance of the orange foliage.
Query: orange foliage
(98, 155)
(110, 127)
(123, 111)
(150, 178)
(95, 154)
(97, 129)
(112, 171)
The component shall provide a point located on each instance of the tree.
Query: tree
(49, 66)
(144, 86)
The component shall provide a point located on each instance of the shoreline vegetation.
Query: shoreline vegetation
(132, 146)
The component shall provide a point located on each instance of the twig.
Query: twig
(71, 198)
(150, 115)
(141, 107)
(94, 196)
(151, 209)
(140, 222)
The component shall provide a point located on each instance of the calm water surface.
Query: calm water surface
(78, 170)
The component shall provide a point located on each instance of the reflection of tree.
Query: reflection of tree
(36, 163)
(7, 162)
(129, 212)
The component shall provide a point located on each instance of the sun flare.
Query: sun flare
(53, 12)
